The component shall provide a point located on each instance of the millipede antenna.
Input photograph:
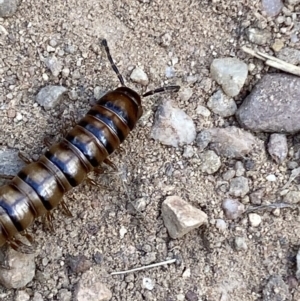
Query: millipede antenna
(113, 65)
(162, 89)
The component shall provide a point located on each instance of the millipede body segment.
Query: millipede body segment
(40, 186)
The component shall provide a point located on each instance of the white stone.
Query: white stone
(180, 217)
(139, 76)
(254, 219)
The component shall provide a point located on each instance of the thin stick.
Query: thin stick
(145, 267)
(273, 61)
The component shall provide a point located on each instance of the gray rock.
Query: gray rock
(239, 168)
(54, 65)
(203, 111)
(64, 295)
(290, 55)
(221, 104)
(259, 36)
(273, 105)
(98, 92)
(221, 225)
(180, 217)
(78, 264)
(21, 268)
(240, 244)
(298, 265)
(203, 139)
(8, 7)
(188, 152)
(230, 73)
(272, 7)
(292, 197)
(48, 97)
(256, 196)
(22, 295)
(228, 175)
(172, 126)
(10, 162)
(276, 290)
(254, 219)
(185, 94)
(231, 142)
(239, 187)
(37, 297)
(278, 147)
(292, 2)
(233, 209)
(210, 162)
(91, 288)
(148, 284)
(139, 76)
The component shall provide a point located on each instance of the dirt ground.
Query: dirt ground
(199, 31)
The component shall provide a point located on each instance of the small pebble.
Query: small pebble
(271, 178)
(203, 111)
(148, 283)
(233, 209)
(139, 76)
(254, 219)
(221, 225)
(240, 243)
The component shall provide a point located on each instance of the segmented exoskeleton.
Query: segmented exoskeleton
(40, 186)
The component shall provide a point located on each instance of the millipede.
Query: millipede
(41, 185)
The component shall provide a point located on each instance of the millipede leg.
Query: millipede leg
(110, 163)
(94, 183)
(19, 246)
(25, 159)
(28, 236)
(66, 211)
(113, 65)
(47, 142)
(48, 220)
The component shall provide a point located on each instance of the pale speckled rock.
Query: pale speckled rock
(240, 243)
(272, 7)
(221, 104)
(148, 284)
(276, 290)
(22, 268)
(54, 65)
(49, 96)
(292, 2)
(298, 265)
(259, 36)
(10, 162)
(139, 76)
(233, 209)
(239, 187)
(278, 147)
(90, 288)
(180, 217)
(292, 197)
(273, 105)
(21, 295)
(8, 7)
(254, 219)
(231, 142)
(230, 74)
(290, 55)
(210, 162)
(172, 126)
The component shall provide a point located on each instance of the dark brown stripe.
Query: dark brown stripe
(102, 117)
(11, 212)
(98, 134)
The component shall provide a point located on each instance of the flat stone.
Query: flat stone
(180, 217)
(230, 73)
(273, 105)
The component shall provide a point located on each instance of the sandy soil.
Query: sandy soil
(200, 31)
